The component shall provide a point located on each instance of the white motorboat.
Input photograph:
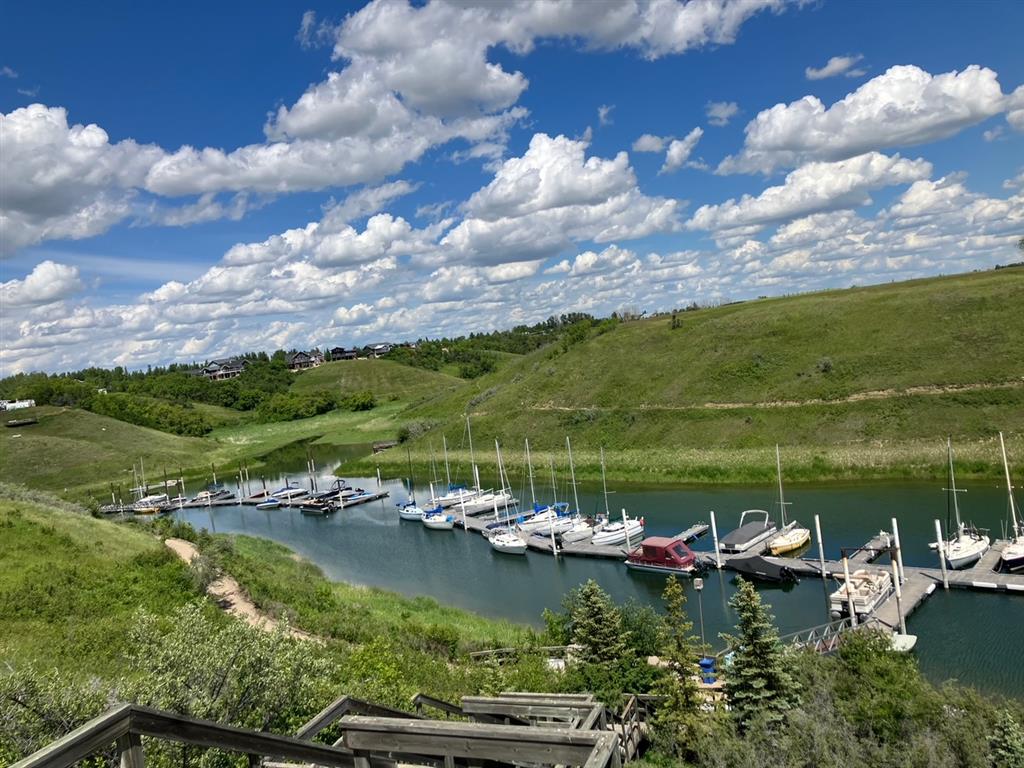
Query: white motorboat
(289, 492)
(749, 534)
(869, 590)
(625, 531)
(270, 503)
(967, 545)
(792, 536)
(149, 505)
(508, 542)
(439, 521)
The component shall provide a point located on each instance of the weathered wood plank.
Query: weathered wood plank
(524, 708)
(98, 733)
(583, 697)
(164, 725)
(342, 706)
(470, 740)
(130, 746)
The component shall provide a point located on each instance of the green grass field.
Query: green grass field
(387, 380)
(857, 383)
(78, 452)
(70, 584)
(282, 583)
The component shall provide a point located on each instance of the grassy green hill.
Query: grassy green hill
(74, 450)
(69, 585)
(859, 382)
(387, 380)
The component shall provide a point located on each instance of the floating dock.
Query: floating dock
(918, 584)
(542, 542)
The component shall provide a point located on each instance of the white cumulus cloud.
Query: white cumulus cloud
(812, 188)
(679, 151)
(904, 106)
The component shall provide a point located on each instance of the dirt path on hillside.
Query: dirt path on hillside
(230, 596)
(876, 394)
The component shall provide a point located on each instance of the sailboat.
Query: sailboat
(582, 528)
(409, 510)
(967, 544)
(455, 494)
(542, 515)
(1013, 553)
(792, 536)
(506, 540)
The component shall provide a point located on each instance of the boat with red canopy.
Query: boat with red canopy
(662, 554)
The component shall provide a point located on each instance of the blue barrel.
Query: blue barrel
(707, 669)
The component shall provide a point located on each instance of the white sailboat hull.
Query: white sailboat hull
(964, 550)
(1013, 556)
(439, 522)
(579, 532)
(614, 534)
(508, 543)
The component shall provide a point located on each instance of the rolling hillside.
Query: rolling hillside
(387, 380)
(867, 379)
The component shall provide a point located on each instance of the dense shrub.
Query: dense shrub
(149, 412)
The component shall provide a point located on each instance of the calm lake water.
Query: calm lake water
(977, 638)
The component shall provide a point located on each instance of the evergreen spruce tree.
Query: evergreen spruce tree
(759, 682)
(597, 626)
(1007, 742)
(678, 650)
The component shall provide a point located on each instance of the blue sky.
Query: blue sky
(183, 182)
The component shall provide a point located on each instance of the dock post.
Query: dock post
(821, 546)
(714, 535)
(849, 591)
(899, 593)
(465, 525)
(942, 554)
(378, 477)
(899, 549)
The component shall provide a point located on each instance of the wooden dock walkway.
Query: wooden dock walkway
(919, 582)
(542, 542)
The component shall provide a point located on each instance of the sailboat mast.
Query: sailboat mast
(952, 486)
(505, 485)
(604, 484)
(778, 473)
(1009, 489)
(447, 470)
(529, 472)
(412, 484)
(572, 475)
(472, 458)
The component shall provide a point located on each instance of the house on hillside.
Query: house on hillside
(340, 353)
(299, 361)
(224, 368)
(377, 350)
(14, 405)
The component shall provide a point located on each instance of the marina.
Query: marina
(464, 570)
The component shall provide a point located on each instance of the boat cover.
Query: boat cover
(757, 567)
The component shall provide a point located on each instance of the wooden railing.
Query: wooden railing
(346, 705)
(366, 741)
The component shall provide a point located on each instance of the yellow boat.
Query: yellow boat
(792, 538)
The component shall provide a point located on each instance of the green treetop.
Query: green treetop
(759, 682)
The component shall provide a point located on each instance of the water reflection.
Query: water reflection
(964, 635)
